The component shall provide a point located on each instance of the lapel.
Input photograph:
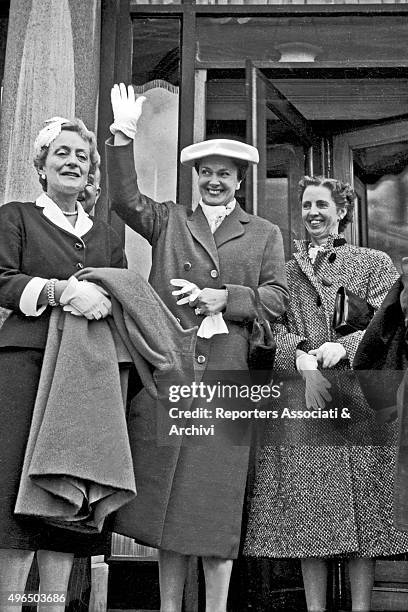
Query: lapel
(232, 226)
(305, 264)
(200, 230)
(320, 270)
(54, 214)
(317, 273)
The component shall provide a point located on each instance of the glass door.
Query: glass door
(286, 143)
(375, 160)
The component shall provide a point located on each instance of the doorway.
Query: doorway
(375, 161)
(355, 130)
(351, 125)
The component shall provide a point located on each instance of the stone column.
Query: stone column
(52, 68)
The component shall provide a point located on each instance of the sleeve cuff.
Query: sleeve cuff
(29, 297)
(286, 345)
(350, 343)
(240, 303)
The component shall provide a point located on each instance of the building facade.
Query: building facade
(319, 87)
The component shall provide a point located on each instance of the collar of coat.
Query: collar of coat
(328, 252)
(333, 241)
(232, 227)
(54, 214)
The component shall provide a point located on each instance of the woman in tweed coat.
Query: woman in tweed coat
(325, 491)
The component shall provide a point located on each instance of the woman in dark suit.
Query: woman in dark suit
(325, 489)
(205, 265)
(42, 245)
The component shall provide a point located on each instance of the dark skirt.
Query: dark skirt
(20, 370)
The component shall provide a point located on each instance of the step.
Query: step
(389, 599)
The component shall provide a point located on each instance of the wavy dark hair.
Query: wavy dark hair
(241, 166)
(342, 194)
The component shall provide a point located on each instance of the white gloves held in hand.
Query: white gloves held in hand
(188, 291)
(83, 298)
(316, 393)
(126, 110)
(306, 362)
(329, 354)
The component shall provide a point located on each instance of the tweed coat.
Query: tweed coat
(327, 491)
(190, 496)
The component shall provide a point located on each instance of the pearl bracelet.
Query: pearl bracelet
(51, 292)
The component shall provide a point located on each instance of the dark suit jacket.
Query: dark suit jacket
(31, 245)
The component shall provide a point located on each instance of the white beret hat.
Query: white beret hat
(221, 146)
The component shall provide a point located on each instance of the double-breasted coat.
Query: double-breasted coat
(327, 490)
(190, 495)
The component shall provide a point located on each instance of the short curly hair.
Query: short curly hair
(78, 126)
(342, 194)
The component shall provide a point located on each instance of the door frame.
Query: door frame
(263, 96)
(286, 112)
(344, 146)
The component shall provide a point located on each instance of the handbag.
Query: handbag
(351, 312)
(262, 347)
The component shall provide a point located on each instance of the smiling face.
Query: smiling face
(217, 180)
(320, 214)
(67, 164)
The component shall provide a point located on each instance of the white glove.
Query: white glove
(316, 393)
(329, 354)
(211, 324)
(317, 386)
(189, 291)
(83, 298)
(306, 362)
(126, 110)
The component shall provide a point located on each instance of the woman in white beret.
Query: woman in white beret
(43, 243)
(205, 265)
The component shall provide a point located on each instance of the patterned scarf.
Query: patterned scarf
(215, 215)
